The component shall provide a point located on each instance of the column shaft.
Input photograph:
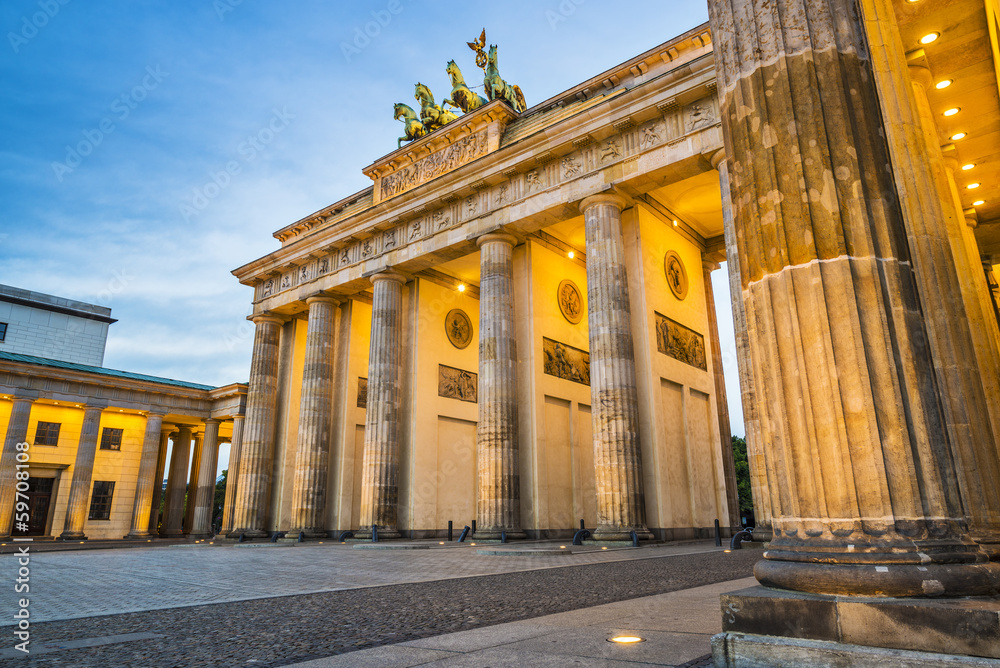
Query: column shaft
(161, 463)
(203, 499)
(232, 474)
(498, 507)
(380, 468)
(859, 458)
(83, 468)
(17, 432)
(192, 485)
(312, 461)
(173, 508)
(722, 405)
(621, 506)
(145, 479)
(257, 451)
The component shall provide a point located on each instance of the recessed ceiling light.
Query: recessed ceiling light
(626, 640)
(461, 287)
(979, 202)
(927, 39)
(675, 223)
(972, 186)
(952, 111)
(968, 166)
(957, 136)
(571, 255)
(943, 84)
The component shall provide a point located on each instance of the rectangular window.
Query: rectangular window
(47, 433)
(111, 439)
(3, 331)
(100, 502)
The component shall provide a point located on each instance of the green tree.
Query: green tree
(220, 497)
(742, 473)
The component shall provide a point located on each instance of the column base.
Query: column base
(764, 626)
(990, 545)
(619, 534)
(292, 536)
(72, 535)
(248, 534)
(384, 533)
(140, 536)
(492, 534)
(201, 536)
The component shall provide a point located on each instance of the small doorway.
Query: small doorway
(39, 498)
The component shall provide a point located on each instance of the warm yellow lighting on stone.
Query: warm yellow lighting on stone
(957, 136)
(952, 111)
(972, 186)
(979, 202)
(604, 548)
(927, 39)
(944, 83)
(969, 166)
(626, 640)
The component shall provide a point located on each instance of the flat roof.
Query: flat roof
(22, 297)
(100, 371)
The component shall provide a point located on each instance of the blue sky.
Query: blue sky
(119, 116)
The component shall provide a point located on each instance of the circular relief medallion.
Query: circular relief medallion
(458, 327)
(677, 277)
(570, 301)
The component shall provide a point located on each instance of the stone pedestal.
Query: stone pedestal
(145, 482)
(257, 451)
(83, 468)
(769, 627)
(498, 508)
(312, 460)
(621, 506)
(17, 432)
(173, 506)
(380, 467)
(203, 496)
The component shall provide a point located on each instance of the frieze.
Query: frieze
(682, 343)
(363, 393)
(458, 384)
(451, 157)
(566, 362)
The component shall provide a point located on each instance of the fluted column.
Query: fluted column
(745, 365)
(192, 485)
(145, 481)
(312, 461)
(17, 432)
(232, 475)
(83, 468)
(203, 499)
(161, 464)
(866, 492)
(498, 507)
(173, 507)
(621, 506)
(380, 468)
(257, 451)
(722, 405)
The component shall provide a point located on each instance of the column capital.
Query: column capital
(24, 394)
(718, 157)
(709, 265)
(321, 298)
(920, 74)
(208, 421)
(95, 405)
(612, 199)
(155, 413)
(387, 275)
(492, 237)
(260, 318)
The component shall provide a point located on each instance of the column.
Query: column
(203, 495)
(17, 432)
(380, 468)
(748, 385)
(146, 478)
(312, 461)
(254, 482)
(498, 507)
(721, 404)
(173, 508)
(192, 485)
(161, 463)
(231, 475)
(621, 506)
(866, 498)
(83, 467)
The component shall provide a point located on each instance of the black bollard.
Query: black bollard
(449, 531)
(718, 535)
(345, 535)
(582, 527)
(374, 534)
(465, 532)
(473, 527)
(635, 539)
(503, 536)
(580, 536)
(302, 536)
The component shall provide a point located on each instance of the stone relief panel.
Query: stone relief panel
(566, 362)
(675, 340)
(458, 327)
(677, 278)
(451, 157)
(362, 393)
(458, 384)
(570, 301)
(700, 114)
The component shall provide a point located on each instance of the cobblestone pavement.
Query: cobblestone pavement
(287, 629)
(67, 585)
